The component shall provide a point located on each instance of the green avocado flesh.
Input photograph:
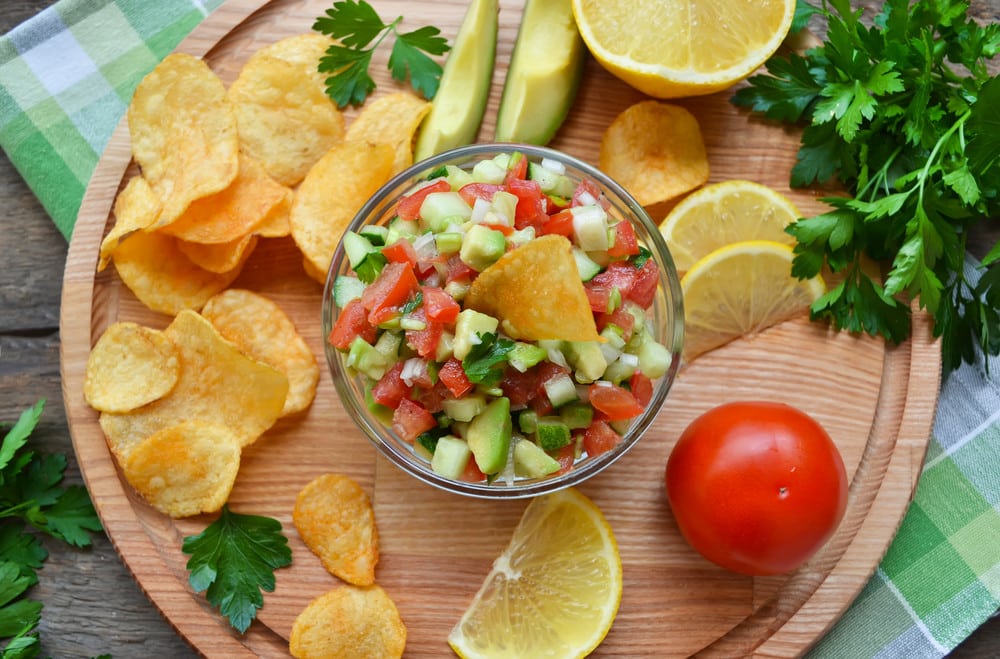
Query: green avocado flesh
(489, 436)
(460, 102)
(544, 73)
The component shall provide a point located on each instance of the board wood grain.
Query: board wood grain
(876, 401)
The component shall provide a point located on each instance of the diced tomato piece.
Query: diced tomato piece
(616, 403)
(502, 228)
(424, 341)
(599, 297)
(618, 274)
(626, 243)
(400, 251)
(620, 317)
(384, 315)
(453, 376)
(519, 387)
(391, 388)
(472, 472)
(530, 209)
(561, 223)
(518, 169)
(459, 270)
(641, 387)
(410, 419)
(432, 398)
(440, 307)
(554, 204)
(472, 191)
(408, 207)
(391, 288)
(644, 285)
(566, 456)
(599, 438)
(352, 322)
(587, 193)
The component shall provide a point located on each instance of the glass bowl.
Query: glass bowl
(665, 316)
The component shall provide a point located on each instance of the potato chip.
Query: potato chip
(301, 50)
(136, 208)
(349, 622)
(655, 151)
(152, 266)
(334, 516)
(392, 119)
(258, 327)
(218, 383)
(230, 214)
(130, 366)
(331, 193)
(276, 224)
(183, 133)
(186, 469)
(285, 119)
(219, 258)
(536, 292)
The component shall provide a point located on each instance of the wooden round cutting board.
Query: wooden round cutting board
(876, 401)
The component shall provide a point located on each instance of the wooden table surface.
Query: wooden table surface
(92, 604)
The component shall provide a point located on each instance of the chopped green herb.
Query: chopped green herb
(484, 363)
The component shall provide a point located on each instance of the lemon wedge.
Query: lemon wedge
(723, 213)
(674, 48)
(741, 289)
(553, 592)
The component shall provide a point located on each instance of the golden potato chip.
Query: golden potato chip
(285, 119)
(233, 213)
(392, 119)
(219, 258)
(156, 271)
(349, 622)
(655, 151)
(276, 224)
(331, 193)
(536, 292)
(218, 383)
(183, 133)
(301, 50)
(186, 469)
(258, 327)
(334, 516)
(136, 208)
(128, 367)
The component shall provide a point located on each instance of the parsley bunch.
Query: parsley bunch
(31, 494)
(356, 24)
(903, 112)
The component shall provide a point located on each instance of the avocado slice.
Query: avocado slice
(544, 73)
(489, 436)
(460, 102)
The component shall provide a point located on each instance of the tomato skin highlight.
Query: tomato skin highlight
(756, 487)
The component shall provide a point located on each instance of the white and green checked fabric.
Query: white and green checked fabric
(66, 77)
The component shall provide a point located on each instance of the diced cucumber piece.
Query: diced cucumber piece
(448, 242)
(381, 412)
(618, 371)
(530, 461)
(551, 182)
(345, 289)
(426, 443)
(576, 415)
(482, 247)
(457, 177)
(375, 233)
(488, 171)
(451, 455)
(387, 344)
(439, 209)
(590, 228)
(585, 265)
(552, 433)
(654, 358)
(465, 408)
(527, 421)
(357, 248)
(560, 390)
(400, 228)
(468, 326)
(364, 358)
(525, 355)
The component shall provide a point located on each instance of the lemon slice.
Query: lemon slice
(740, 289)
(723, 213)
(674, 48)
(553, 592)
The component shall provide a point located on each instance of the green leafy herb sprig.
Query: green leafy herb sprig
(356, 25)
(904, 113)
(31, 495)
(233, 560)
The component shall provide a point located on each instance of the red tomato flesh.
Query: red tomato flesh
(756, 487)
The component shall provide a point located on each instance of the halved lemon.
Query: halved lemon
(553, 592)
(740, 289)
(674, 48)
(723, 213)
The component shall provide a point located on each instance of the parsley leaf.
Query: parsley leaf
(233, 559)
(360, 30)
(483, 364)
(901, 109)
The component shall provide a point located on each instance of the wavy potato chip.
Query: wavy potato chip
(157, 272)
(258, 327)
(186, 469)
(332, 192)
(136, 208)
(655, 150)
(219, 258)
(334, 516)
(301, 50)
(536, 292)
(285, 119)
(233, 213)
(217, 383)
(392, 119)
(277, 223)
(349, 622)
(130, 366)
(183, 133)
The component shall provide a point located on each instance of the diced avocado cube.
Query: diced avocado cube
(552, 434)
(482, 247)
(468, 326)
(489, 436)
(465, 408)
(488, 171)
(525, 355)
(439, 209)
(451, 455)
(576, 415)
(448, 242)
(587, 359)
(504, 206)
(527, 421)
(590, 228)
(530, 461)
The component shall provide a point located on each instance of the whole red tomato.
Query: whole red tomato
(756, 487)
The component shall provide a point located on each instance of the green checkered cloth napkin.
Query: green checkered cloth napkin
(66, 77)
